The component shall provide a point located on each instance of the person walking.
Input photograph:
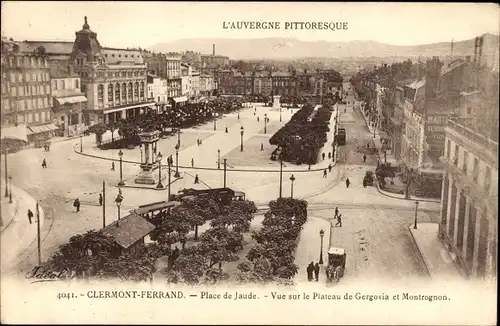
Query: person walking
(192, 162)
(44, 164)
(310, 270)
(324, 173)
(316, 272)
(329, 155)
(112, 166)
(329, 168)
(323, 155)
(76, 204)
(336, 212)
(347, 182)
(364, 158)
(100, 199)
(258, 119)
(30, 215)
(196, 179)
(226, 130)
(339, 220)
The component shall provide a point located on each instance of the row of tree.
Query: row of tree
(301, 139)
(272, 259)
(186, 116)
(95, 255)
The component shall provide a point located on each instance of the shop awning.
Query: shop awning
(20, 133)
(180, 99)
(43, 128)
(71, 99)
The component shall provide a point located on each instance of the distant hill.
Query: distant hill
(289, 48)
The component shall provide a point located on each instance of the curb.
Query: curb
(165, 187)
(410, 228)
(203, 168)
(388, 194)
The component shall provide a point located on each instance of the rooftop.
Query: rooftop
(51, 47)
(485, 127)
(60, 71)
(129, 230)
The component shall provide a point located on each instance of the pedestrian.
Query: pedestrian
(226, 130)
(198, 142)
(324, 173)
(192, 162)
(76, 204)
(368, 145)
(30, 215)
(323, 155)
(365, 182)
(336, 212)
(364, 158)
(310, 270)
(196, 179)
(339, 220)
(329, 168)
(112, 166)
(329, 154)
(309, 168)
(347, 182)
(44, 164)
(261, 146)
(100, 199)
(258, 119)
(316, 272)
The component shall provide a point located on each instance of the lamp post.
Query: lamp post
(265, 123)
(6, 177)
(140, 149)
(241, 141)
(169, 166)
(215, 124)
(120, 154)
(416, 209)
(218, 159)
(177, 175)
(159, 157)
(10, 192)
(280, 113)
(81, 143)
(292, 178)
(321, 234)
(281, 173)
(238, 115)
(179, 137)
(118, 201)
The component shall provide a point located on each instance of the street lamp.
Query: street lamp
(120, 154)
(238, 115)
(6, 177)
(81, 143)
(265, 123)
(218, 159)
(280, 113)
(140, 149)
(179, 137)
(215, 124)
(10, 193)
(292, 178)
(118, 201)
(241, 142)
(177, 175)
(169, 162)
(159, 157)
(416, 209)
(281, 173)
(321, 234)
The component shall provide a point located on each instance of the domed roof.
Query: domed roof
(86, 42)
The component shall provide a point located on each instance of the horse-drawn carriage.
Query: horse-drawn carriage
(336, 264)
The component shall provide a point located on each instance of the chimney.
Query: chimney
(433, 71)
(213, 49)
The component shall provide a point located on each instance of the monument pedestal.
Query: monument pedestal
(149, 142)
(146, 176)
(276, 102)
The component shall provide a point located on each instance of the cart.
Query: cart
(336, 264)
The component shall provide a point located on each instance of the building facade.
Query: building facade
(69, 102)
(114, 80)
(26, 93)
(207, 85)
(168, 66)
(158, 91)
(469, 206)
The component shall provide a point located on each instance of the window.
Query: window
(36, 117)
(84, 88)
(28, 104)
(13, 91)
(100, 94)
(30, 118)
(47, 89)
(45, 102)
(136, 90)
(20, 105)
(124, 92)
(464, 165)
(141, 91)
(19, 77)
(61, 84)
(117, 92)
(20, 118)
(42, 116)
(487, 180)
(77, 84)
(475, 172)
(20, 91)
(455, 156)
(110, 93)
(469, 111)
(39, 102)
(129, 92)
(54, 85)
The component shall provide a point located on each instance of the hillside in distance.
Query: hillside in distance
(289, 48)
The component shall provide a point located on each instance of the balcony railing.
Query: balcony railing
(473, 136)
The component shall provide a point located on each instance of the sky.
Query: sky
(142, 24)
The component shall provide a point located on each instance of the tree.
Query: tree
(189, 268)
(231, 240)
(98, 129)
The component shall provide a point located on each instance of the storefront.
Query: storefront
(179, 101)
(68, 114)
(41, 133)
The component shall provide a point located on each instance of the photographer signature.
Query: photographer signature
(41, 274)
